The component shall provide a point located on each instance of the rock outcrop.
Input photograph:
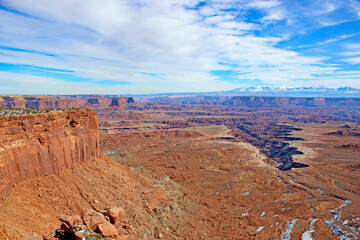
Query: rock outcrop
(92, 224)
(291, 101)
(44, 144)
(43, 102)
(258, 101)
(351, 146)
(345, 133)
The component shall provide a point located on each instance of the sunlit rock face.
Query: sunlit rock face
(44, 144)
(43, 102)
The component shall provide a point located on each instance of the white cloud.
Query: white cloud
(355, 60)
(331, 40)
(274, 15)
(219, 18)
(354, 6)
(273, 9)
(120, 40)
(342, 37)
(352, 46)
(350, 53)
(207, 11)
(325, 8)
(263, 4)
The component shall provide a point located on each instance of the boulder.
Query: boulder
(115, 213)
(64, 226)
(92, 219)
(107, 230)
(71, 220)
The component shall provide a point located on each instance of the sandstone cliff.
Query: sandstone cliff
(43, 102)
(44, 144)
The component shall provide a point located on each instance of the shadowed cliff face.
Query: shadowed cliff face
(44, 144)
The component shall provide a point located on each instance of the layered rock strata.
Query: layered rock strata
(291, 101)
(43, 102)
(257, 101)
(44, 144)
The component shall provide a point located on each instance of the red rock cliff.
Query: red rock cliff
(44, 144)
(43, 102)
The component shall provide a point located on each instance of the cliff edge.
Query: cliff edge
(44, 102)
(44, 144)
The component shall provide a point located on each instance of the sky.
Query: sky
(163, 46)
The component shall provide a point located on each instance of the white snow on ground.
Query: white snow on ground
(259, 229)
(308, 234)
(287, 233)
(245, 193)
(343, 235)
(320, 191)
(332, 223)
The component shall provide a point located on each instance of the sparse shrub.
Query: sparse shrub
(93, 236)
(31, 111)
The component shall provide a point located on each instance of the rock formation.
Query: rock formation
(89, 225)
(43, 102)
(258, 101)
(351, 146)
(291, 101)
(44, 144)
(345, 133)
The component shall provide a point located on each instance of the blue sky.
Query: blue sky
(154, 46)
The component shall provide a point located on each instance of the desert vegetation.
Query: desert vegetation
(31, 111)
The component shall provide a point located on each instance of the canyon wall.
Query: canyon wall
(291, 101)
(43, 102)
(257, 101)
(44, 144)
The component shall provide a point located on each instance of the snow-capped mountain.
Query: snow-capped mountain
(306, 91)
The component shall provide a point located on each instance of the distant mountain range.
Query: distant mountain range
(317, 91)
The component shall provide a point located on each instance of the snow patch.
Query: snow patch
(332, 223)
(287, 233)
(308, 234)
(245, 193)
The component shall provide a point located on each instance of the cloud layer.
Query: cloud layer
(147, 46)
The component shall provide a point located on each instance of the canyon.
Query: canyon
(186, 167)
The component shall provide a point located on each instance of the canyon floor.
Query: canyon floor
(244, 194)
(207, 172)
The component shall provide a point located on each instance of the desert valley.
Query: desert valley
(179, 167)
